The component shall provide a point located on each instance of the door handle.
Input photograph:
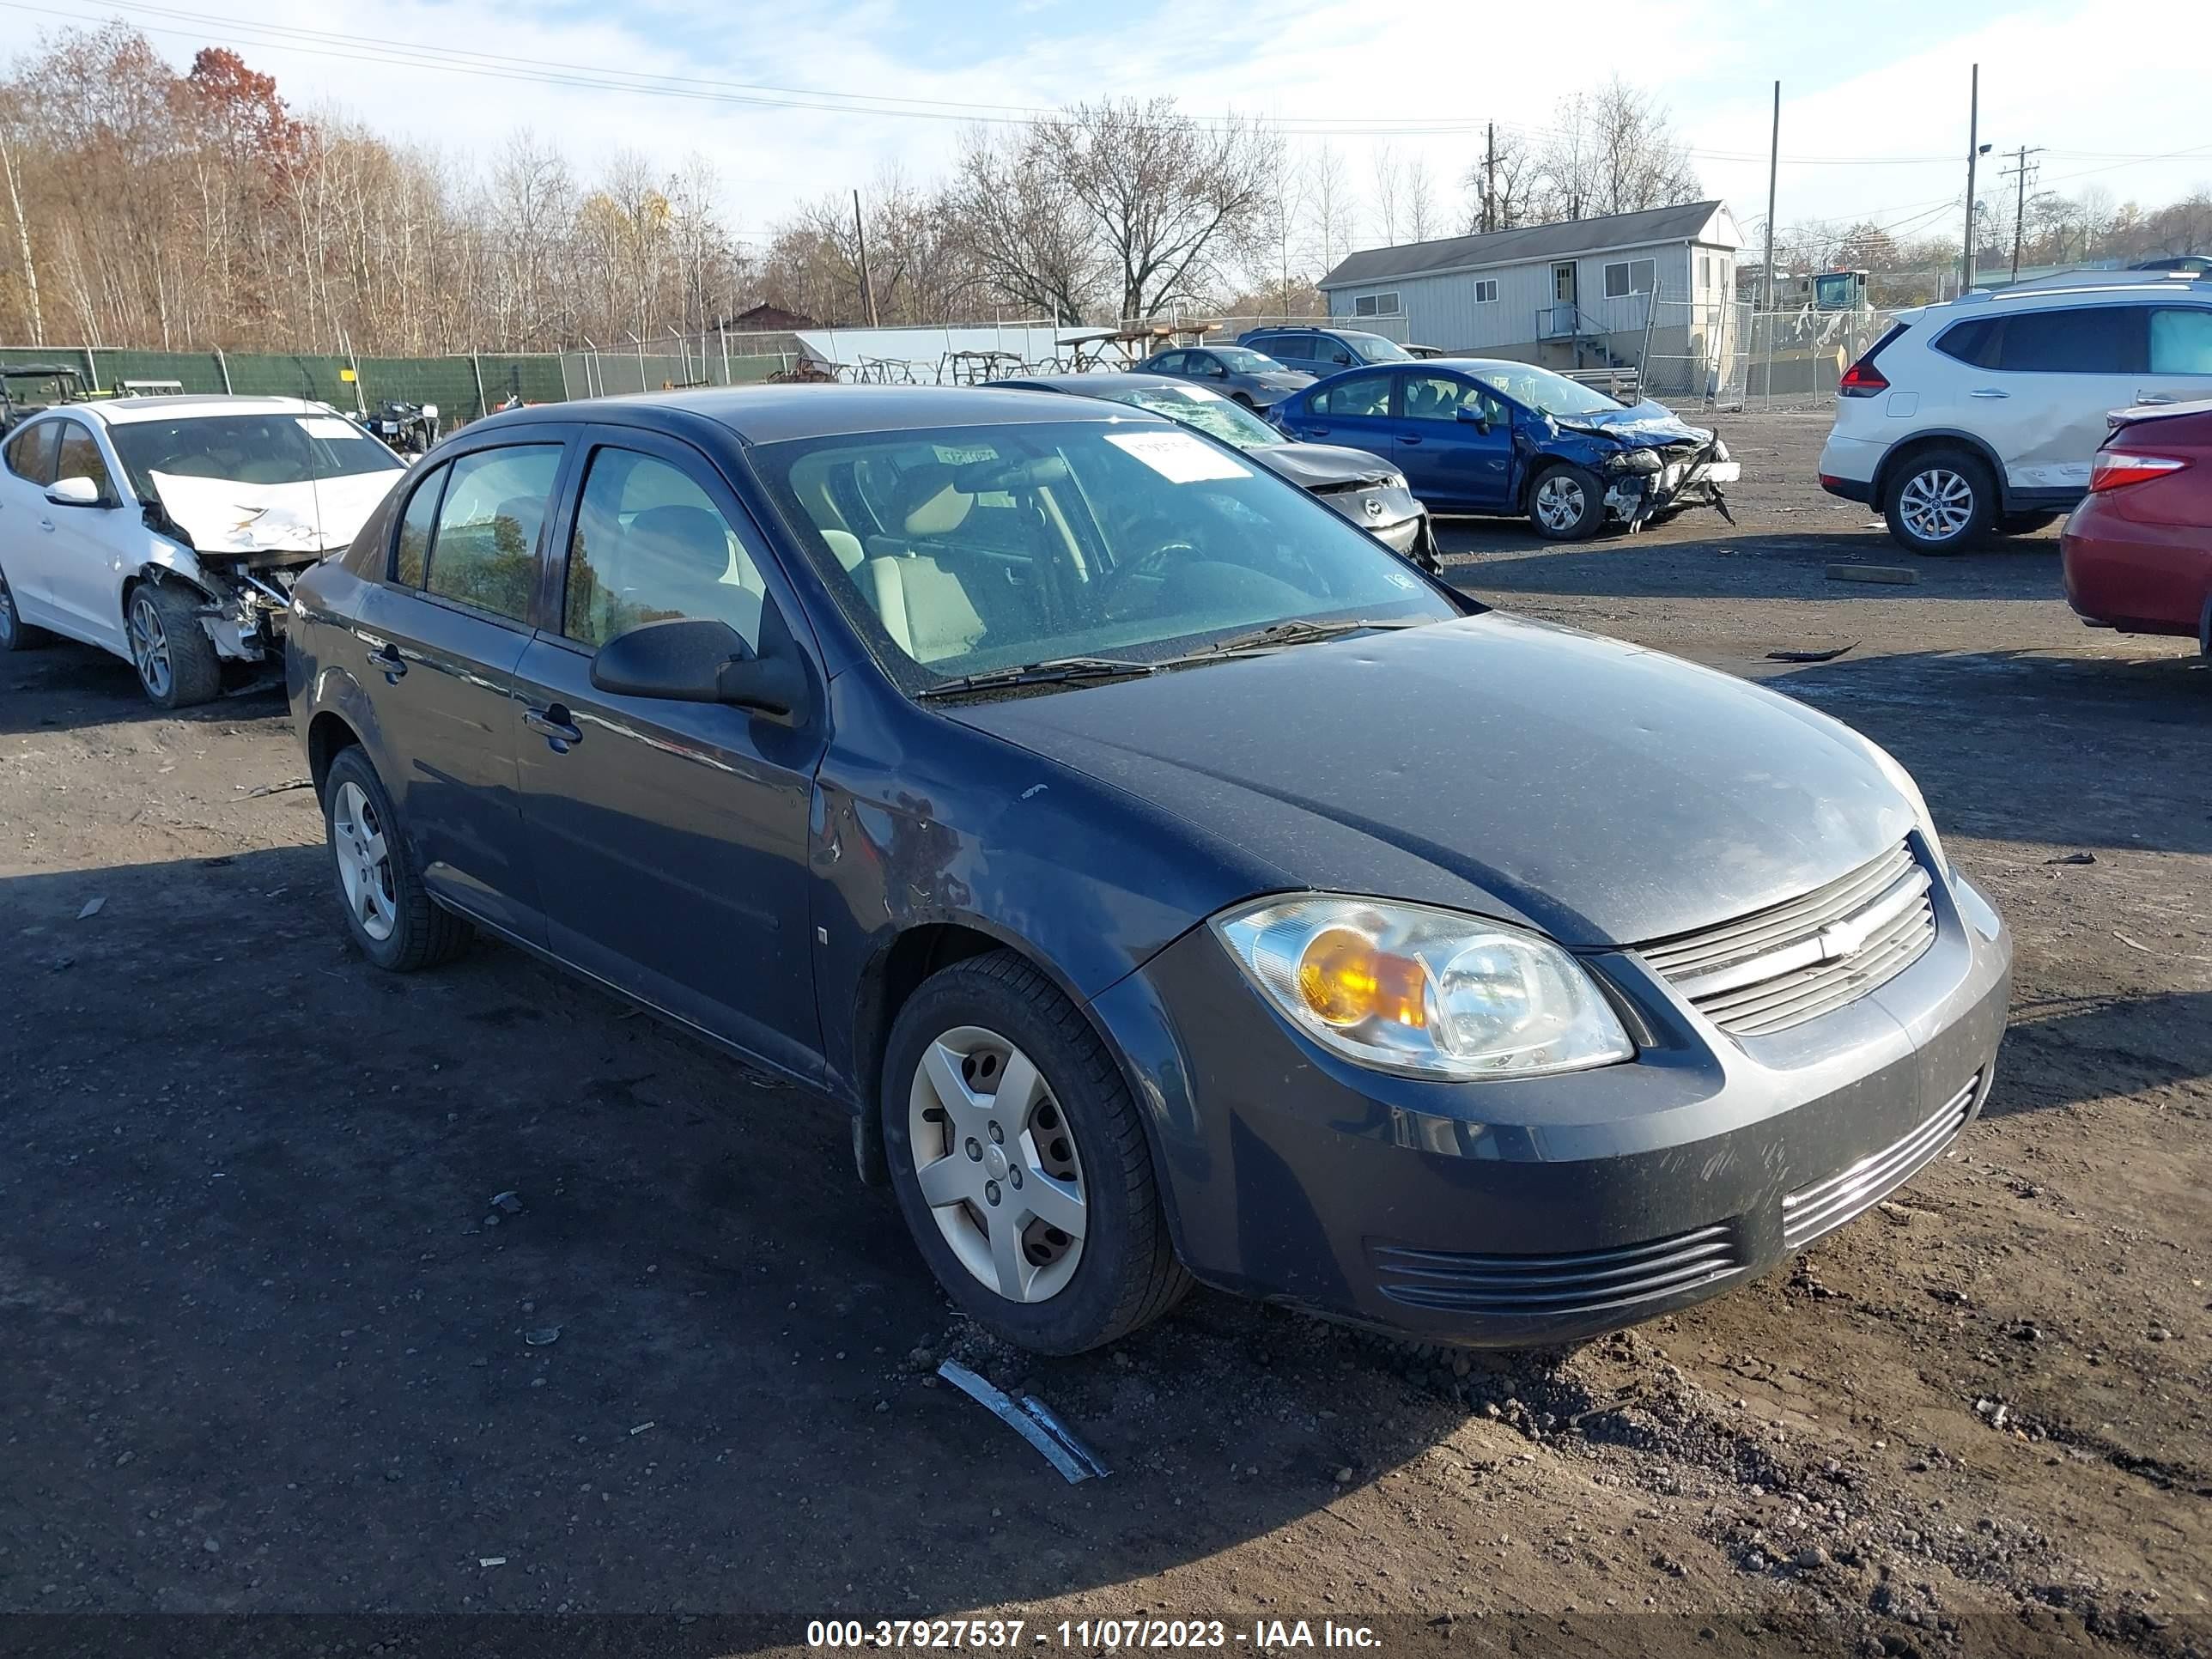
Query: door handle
(1318, 431)
(1403, 439)
(2143, 396)
(1988, 391)
(552, 723)
(388, 661)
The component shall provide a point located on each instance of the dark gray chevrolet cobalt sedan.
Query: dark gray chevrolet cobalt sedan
(1172, 882)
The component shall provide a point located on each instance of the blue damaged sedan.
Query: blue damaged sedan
(1062, 796)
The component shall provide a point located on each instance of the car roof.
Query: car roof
(121, 411)
(2123, 289)
(776, 414)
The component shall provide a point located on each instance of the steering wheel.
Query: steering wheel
(1114, 586)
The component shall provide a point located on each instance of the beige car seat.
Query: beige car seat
(923, 606)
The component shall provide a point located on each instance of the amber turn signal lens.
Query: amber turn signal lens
(1343, 979)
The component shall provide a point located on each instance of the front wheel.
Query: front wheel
(16, 633)
(176, 661)
(1940, 502)
(1567, 504)
(1020, 1161)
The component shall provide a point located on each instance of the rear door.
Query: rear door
(2057, 373)
(1353, 410)
(2180, 355)
(26, 519)
(1292, 348)
(437, 643)
(671, 838)
(1450, 462)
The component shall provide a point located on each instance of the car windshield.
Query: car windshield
(1548, 393)
(966, 550)
(1209, 411)
(1376, 350)
(263, 449)
(1242, 360)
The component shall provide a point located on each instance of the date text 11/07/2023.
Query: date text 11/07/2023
(1091, 1635)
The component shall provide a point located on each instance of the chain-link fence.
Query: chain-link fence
(463, 387)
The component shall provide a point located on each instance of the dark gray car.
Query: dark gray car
(1321, 351)
(1367, 490)
(1250, 378)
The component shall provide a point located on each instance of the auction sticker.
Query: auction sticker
(1178, 457)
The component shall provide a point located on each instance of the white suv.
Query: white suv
(1982, 414)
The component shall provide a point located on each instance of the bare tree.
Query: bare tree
(1332, 212)
(1423, 221)
(1031, 242)
(1612, 151)
(1504, 185)
(1389, 190)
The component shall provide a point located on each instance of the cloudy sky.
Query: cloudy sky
(794, 100)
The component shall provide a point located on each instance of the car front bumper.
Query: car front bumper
(1545, 1209)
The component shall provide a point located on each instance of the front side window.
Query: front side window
(2181, 342)
(411, 558)
(484, 551)
(970, 548)
(79, 457)
(1548, 393)
(1169, 363)
(2074, 340)
(1359, 395)
(650, 545)
(30, 452)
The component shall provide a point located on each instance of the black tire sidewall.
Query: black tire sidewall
(352, 766)
(1593, 503)
(13, 639)
(1980, 522)
(195, 671)
(1082, 1315)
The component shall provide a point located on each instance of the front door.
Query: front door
(26, 519)
(86, 571)
(1563, 283)
(1450, 459)
(439, 642)
(671, 838)
(1354, 410)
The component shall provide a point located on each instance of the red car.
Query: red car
(2138, 549)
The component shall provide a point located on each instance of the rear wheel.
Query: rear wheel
(1567, 504)
(1940, 502)
(16, 633)
(176, 661)
(1020, 1161)
(388, 911)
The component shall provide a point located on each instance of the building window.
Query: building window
(1485, 291)
(1375, 305)
(1627, 276)
(1704, 273)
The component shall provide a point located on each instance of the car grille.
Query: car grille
(1796, 961)
(1529, 1287)
(1812, 1211)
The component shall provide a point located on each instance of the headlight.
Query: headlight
(1403, 987)
(1394, 481)
(1638, 460)
(1901, 780)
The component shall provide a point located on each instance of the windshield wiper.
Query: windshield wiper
(1053, 670)
(1298, 631)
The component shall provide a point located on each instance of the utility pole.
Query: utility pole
(868, 288)
(2019, 170)
(1973, 150)
(1773, 167)
(1490, 176)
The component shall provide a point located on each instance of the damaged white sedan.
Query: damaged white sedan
(169, 530)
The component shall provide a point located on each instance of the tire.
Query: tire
(16, 633)
(1946, 489)
(1566, 503)
(1078, 1133)
(393, 920)
(176, 661)
(2027, 523)
(1244, 398)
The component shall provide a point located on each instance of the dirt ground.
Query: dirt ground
(266, 1351)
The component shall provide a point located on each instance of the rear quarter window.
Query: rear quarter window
(1974, 342)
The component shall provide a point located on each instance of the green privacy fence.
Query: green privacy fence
(463, 387)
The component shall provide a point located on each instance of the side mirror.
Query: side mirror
(1475, 418)
(697, 659)
(75, 492)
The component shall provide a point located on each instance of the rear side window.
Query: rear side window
(1360, 394)
(2181, 342)
(484, 551)
(30, 453)
(2084, 340)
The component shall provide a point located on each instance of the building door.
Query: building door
(1563, 283)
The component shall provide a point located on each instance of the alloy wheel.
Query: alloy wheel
(1559, 501)
(149, 646)
(997, 1164)
(1935, 505)
(364, 856)
(6, 614)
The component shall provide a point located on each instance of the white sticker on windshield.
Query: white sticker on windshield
(327, 426)
(964, 454)
(1178, 457)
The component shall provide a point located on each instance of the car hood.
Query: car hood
(1318, 466)
(223, 515)
(1605, 794)
(1648, 422)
